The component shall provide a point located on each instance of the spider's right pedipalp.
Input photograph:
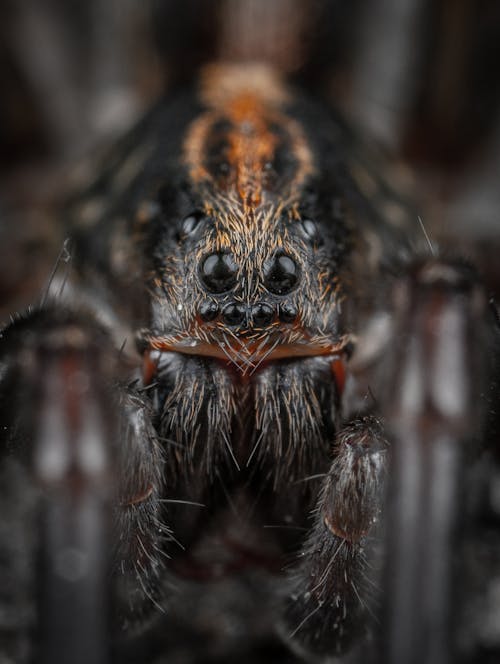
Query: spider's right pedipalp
(333, 595)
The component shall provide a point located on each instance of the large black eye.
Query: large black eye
(281, 274)
(218, 272)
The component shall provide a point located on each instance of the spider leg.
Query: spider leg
(333, 591)
(435, 407)
(68, 429)
(56, 417)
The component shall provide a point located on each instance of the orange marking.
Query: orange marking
(149, 366)
(254, 350)
(352, 537)
(251, 146)
(338, 370)
(140, 497)
(249, 98)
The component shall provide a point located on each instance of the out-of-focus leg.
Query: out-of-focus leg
(81, 490)
(435, 406)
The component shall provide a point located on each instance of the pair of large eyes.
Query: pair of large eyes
(218, 272)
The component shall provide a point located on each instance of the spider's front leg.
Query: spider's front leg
(431, 406)
(440, 388)
(66, 429)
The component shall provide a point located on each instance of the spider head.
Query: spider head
(249, 271)
(258, 285)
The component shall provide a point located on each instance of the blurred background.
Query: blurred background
(419, 78)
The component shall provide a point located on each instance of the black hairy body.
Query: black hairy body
(244, 295)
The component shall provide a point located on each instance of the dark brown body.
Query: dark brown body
(255, 275)
(253, 160)
(243, 340)
(247, 308)
(246, 410)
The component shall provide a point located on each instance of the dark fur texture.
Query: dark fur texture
(248, 459)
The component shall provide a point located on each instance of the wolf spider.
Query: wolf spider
(253, 419)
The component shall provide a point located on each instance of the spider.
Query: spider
(248, 422)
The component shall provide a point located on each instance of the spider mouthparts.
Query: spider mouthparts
(246, 355)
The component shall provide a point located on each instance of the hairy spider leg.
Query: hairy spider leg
(333, 593)
(434, 408)
(55, 412)
(82, 471)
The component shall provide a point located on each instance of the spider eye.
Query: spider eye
(191, 223)
(288, 312)
(281, 274)
(234, 313)
(208, 310)
(310, 231)
(262, 314)
(218, 272)
(309, 228)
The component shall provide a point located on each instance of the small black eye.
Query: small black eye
(234, 313)
(288, 312)
(309, 228)
(281, 274)
(191, 223)
(310, 231)
(262, 314)
(208, 310)
(218, 272)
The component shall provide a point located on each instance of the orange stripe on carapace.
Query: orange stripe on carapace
(244, 125)
(251, 145)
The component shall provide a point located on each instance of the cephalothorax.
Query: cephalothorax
(256, 318)
(246, 278)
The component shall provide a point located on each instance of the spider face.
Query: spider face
(251, 278)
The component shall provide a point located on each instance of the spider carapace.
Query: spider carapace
(252, 275)
(245, 243)
(245, 285)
